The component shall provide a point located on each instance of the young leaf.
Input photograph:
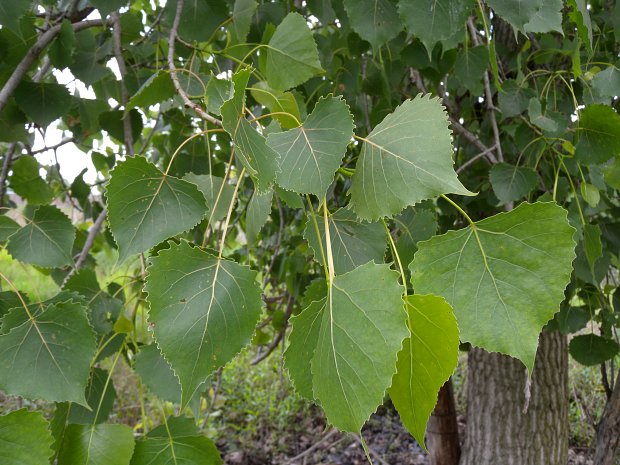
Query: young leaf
(376, 21)
(361, 332)
(426, 361)
(204, 309)
(283, 104)
(46, 241)
(590, 349)
(311, 153)
(434, 20)
(292, 56)
(504, 276)
(96, 445)
(27, 182)
(25, 438)
(598, 134)
(55, 345)
(147, 206)
(412, 143)
(512, 182)
(353, 243)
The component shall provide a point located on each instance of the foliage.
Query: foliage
(266, 166)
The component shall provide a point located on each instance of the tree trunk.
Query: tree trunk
(608, 430)
(498, 431)
(442, 432)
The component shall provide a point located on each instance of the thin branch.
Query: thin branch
(31, 56)
(484, 153)
(276, 341)
(66, 141)
(122, 68)
(6, 165)
(471, 137)
(173, 70)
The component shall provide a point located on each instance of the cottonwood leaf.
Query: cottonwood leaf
(592, 245)
(376, 21)
(199, 18)
(251, 148)
(530, 15)
(598, 134)
(204, 309)
(504, 276)
(43, 102)
(217, 92)
(580, 16)
(413, 226)
(353, 242)
(102, 444)
(259, 209)
(61, 50)
(292, 55)
(512, 182)
(100, 395)
(27, 182)
(405, 159)
(426, 361)
(432, 21)
(470, 65)
(311, 154)
(360, 334)
(606, 83)
(157, 374)
(55, 345)
(282, 104)
(513, 99)
(243, 11)
(217, 192)
(156, 89)
(7, 227)
(112, 122)
(46, 240)
(147, 206)
(591, 349)
(106, 7)
(25, 438)
(11, 11)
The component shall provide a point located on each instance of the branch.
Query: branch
(122, 69)
(276, 341)
(484, 153)
(173, 70)
(66, 141)
(6, 164)
(31, 56)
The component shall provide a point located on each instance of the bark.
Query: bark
(608, 430)
(442, 433)
(498, 430)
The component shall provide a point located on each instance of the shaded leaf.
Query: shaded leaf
(147, 206)
(530, 15)
(243, 11)
(100, 395)
(592, 243)
(27, 182)
(590, 349)
(7, 227)
(42, 102)
(470, 65)
(504, 277)
(204, 309)
(96, 445)
(62, 48)
(25, 438)
(413, 226)
(11, 11)
(580, 16)
(413, 142)
(376, 21)
(606, 83)
(598, 134)
(217, 192)
(106, 7)
(199, 18)
(513, 99)
(157, 374)
(512, 182)
(279, 103)
(259, 209)
(112, 122)
(157, 89)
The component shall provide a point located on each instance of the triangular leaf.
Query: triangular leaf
(25, 439)
(311, 153)
(147, 206)
(426, 361)
(204, 309)
(407, 158)
(580, 16)
(376, 21)
(530, 15)
(504, 276)
(512, 182)
(157, 374)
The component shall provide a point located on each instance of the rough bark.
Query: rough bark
(442, 433)
(608, 430)
(498, 430)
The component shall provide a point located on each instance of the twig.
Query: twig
(122, 69)
(312, 448)
(374, 453)
(66, 141)
(276, 341)
(33, 53)
(6, 165)
(471, 137)
(475, 158)
(276, 249)
(173, 70)
(90, 240)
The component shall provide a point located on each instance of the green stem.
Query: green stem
(318, 235)
(395, 254)
(461, 211)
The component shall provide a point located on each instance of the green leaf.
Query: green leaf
(210, 186)
(218, 91)
(42, 102)
(598, 134)
(46, 240)
(96, 445)
(106, 7)
(260, 161)
(25, 439)
(413, 226)
(513, 99)
(504, 276)
(323, 10)
(412, 143)
(311, 153)
(376, 21)
(11, 11)
(259, 209)
(292, 56)
(537, 118)
(147, 206)
(62, 48)
(204, 309)
(243, 11)
(611, 174)
(426, 361)
(157, 89)
(157, 374)
(590, 194)
(7, 227)
(361, 332)
(199, 19)
(27, 182)
(278, 102)
(100, 395)
(590, 349)
(530, 15)
(606, 83)
(112, 122)
(48, 355)
(432, 21)
(580, 16)
(470, 65)
(353, 243)
(512, 182)
(592, 243)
